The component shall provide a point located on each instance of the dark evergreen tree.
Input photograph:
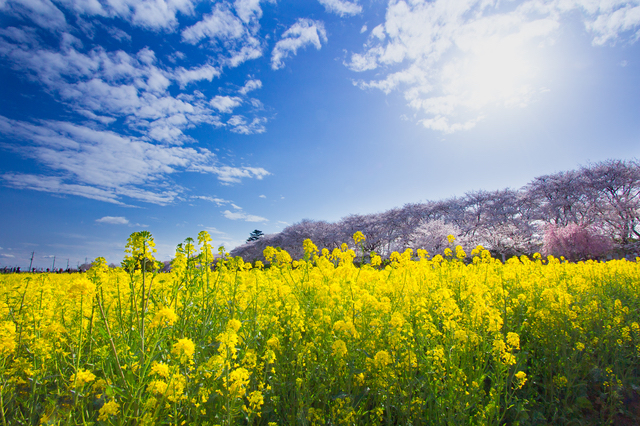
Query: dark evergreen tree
(255, 235)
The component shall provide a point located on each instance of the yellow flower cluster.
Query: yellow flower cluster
(339, 337)
(184, 349)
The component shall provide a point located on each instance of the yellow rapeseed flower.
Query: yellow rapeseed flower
(184, 349)
(521, 378)
(81, 378)
(339, 348)
(273, 343)
(256, 400)
(7, 338)
(237, 382)
(382, 359)
(160, 369)
(108, 409)
(513, 340)
(234, 325)
(164, 317)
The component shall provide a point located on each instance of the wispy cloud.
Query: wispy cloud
(225, 104)
(608, 20)
(229, 174)
(154, 15)
(304, 32)
(199, 73)
(250, 86)
(106, 166)
(107, 85)
(240, 215)
(55, 185)
(221, 23)
(342, 7)
(218, 201)
(453, 58)
(42, 12)
(238, 34)
(214, 231)
(113, 220)
(240, 124)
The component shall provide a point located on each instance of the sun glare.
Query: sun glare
(494, 73)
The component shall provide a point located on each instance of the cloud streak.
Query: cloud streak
(240, 215)
(106, 166)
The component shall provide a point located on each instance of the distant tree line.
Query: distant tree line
(592, 212)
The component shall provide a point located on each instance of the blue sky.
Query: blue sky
(185, 115)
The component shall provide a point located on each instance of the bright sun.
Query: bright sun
(494, 72)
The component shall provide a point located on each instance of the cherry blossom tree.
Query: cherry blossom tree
(571, 210)
(615, 194)
(433, 236)
(575, 242)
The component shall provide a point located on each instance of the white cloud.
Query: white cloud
(212, 230)
(615, 17)
(239, 124)
(42, 12)
(229, 175)
(248, 10)
(100, 118)
(204, 72)
(218, 201)
(249, 50)
(262, 196)
(221, 23)
(119, 34)
(113, 220)
(107, 166)
(378, 32)
(151, 14)
(55, 185)
(134, 88)
(341, 7)
(454, 58)
(441, 124)
(250, 86)
(25, 36)
(225, 104)
(240, 215)
(236, 35)
(103, 86)
(7, 255)
(301, 34)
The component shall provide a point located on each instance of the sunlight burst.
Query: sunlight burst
(495, 72)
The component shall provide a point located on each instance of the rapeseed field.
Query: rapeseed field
(451, 339)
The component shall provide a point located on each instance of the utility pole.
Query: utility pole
(31, 263)
(54, 263)
(67, 264)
